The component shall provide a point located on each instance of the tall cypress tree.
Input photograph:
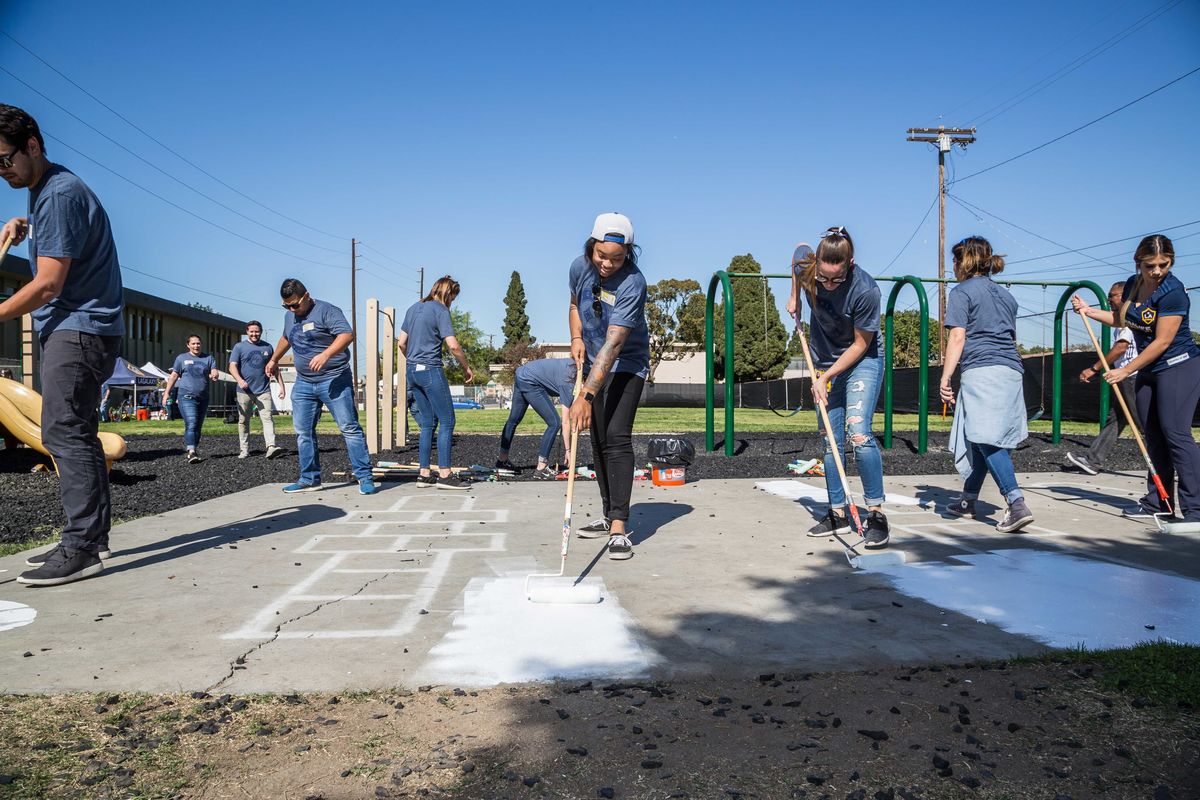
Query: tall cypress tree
(516, 321)
(759, 338)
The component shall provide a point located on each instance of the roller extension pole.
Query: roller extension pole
(560, 592)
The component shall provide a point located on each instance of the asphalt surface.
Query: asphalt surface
(154, 478)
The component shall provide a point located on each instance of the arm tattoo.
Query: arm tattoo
(614, 340)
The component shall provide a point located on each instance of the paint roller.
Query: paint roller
(553, 587)
(1165, 527)
(804, 253)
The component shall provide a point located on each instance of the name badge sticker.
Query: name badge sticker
(308, 326)
(188, 362)
(607, 297)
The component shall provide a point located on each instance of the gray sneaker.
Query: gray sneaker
(1082, 463)
(1016, 516)
(62, 565)
(962, 508)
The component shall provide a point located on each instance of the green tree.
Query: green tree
(759, 338)
(474, 343)
(201, 307)
(1196, 337)
(906, 339)
(671, 315)
(516, 321)
(514, 356)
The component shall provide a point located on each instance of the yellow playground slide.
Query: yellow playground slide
(21, 415)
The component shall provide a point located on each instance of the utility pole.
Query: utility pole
(944, 138)
(354, 312)
(421, 292)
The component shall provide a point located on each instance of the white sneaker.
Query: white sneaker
(244, 454)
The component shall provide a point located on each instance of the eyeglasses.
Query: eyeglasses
(297, 304)
(597, 306)
(6, 161)
(838, 231)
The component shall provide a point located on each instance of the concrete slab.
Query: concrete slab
(332, 591)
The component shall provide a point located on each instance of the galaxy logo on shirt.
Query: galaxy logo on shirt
(1148, 315)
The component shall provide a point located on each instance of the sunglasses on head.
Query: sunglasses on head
(838, 231)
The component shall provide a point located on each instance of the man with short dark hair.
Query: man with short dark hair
(320, 336)
(77, 302)
(247, 365)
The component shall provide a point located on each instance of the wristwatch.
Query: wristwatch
(588, 396)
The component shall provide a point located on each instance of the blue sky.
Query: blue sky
(474, 139)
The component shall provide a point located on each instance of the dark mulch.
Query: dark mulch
(154, 477)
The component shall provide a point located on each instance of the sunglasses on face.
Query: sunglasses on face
(831, 281)
(295, 305)
(597, 306)
(6, 161)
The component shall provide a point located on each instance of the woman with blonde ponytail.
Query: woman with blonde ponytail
(989, 413)
(1156, 308)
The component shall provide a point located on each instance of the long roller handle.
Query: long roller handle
(1133, 426)
(566, 533)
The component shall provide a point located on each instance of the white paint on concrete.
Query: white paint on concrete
(1059, 599)
(500, 637)
(798, 491)
(14, 615)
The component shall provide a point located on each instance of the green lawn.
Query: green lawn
(649, 420)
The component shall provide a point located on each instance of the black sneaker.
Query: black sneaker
(876, 534)
(506, 466)
(830, 524)
(426, 481)
(619, 547)
(453, 483)
(104, 553)
(62, 565)
(596, 529)
(962, 508)
(1140, 510)
(193, 457)
(545, 474)
(1016, 516)
(1082, 463)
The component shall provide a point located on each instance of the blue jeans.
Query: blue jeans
(337, 394)
(527, 394)
(192, 407)
(852, 403)
(987, 458)
(435, 412)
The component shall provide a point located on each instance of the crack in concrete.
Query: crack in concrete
(240, 660)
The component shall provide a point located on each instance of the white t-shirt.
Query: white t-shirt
(1126, 335)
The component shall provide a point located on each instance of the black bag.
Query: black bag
(670, 450)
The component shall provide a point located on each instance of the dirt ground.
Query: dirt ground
(1019, 730)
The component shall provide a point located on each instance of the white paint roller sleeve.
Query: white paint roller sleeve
(582, 594)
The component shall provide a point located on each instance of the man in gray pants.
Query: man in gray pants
(247, 364)
(77, 303)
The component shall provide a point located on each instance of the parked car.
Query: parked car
(462, 401)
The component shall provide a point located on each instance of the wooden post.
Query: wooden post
(389, 377)
(372, 387)
(28, 366)
(401, 401)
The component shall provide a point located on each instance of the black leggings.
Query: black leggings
(1166, 403)
(613, 411)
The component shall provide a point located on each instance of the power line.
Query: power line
(1081, 127)
(916, 230)
(382, 254)
(159, 169)
(1062, 72)
(189, 212)
(164, 146)
(126, 267)
(386, 268)
(1115, 241)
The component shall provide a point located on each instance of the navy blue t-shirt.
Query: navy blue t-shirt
(193, 372)
(66, 220)
(311, 335)
(989, 314)
(555, 376)
(251, 360)
(427, 324)
(836, 314)
(622, 299)
(1168, 300)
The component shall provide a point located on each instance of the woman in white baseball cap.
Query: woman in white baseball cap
(611, 343)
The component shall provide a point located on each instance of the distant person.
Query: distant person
(843, 300)
(247, 365)
(610, 342)
(426, 326)
(1123, 351)
(104, 401)
(320, 337)
(1156, 307)
(535, 384)
(192, 371)
(989, 415)
(78, 308)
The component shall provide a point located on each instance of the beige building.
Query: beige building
(156, 330)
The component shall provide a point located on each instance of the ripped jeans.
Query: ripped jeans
(852, 403)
